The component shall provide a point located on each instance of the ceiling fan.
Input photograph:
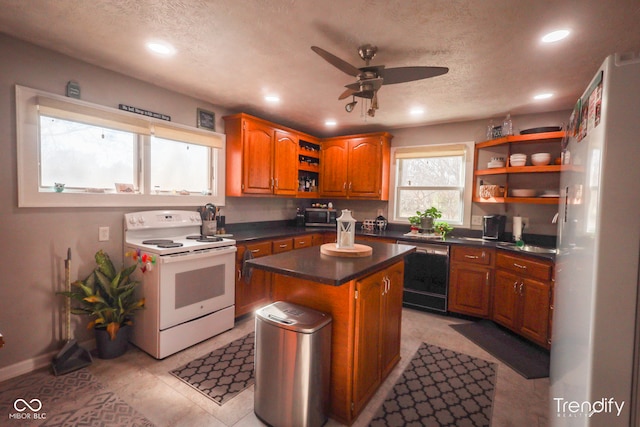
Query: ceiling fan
(371, 77)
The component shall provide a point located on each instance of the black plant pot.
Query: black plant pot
(108, 349)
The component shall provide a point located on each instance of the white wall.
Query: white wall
(35, 241)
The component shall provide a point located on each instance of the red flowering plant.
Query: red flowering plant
(108, 297)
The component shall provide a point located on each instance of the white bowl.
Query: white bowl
(540, 159)
(518, 156)
(495, 164)
(523, 192)
(518, 162)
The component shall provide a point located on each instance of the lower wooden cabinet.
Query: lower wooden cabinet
(522, 296)
(377, 327)
(254, 290)
(470, 280)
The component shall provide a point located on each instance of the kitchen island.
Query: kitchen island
(364, 297)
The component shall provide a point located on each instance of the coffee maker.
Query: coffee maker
(493, 227)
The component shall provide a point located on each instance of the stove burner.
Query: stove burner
(156, 242)
(202, 238)
(209, 239)
(170, 244)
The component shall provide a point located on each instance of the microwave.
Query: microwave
(316, 217)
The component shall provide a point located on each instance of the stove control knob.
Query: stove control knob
(141, 220)
(132, 220)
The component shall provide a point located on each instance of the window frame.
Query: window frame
(433, 149)
(28, 159)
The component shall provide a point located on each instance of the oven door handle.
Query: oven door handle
(205, 253)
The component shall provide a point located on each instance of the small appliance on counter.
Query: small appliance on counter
(320, 217)
(493, 227)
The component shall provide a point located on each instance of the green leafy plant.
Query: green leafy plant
(443, 228)
(433, 212)
(415, 220)
(108, 297)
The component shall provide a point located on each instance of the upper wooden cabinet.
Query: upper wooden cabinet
(261, 157)
(356, 166)
(264, 158)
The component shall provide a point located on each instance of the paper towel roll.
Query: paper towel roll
(517, 228)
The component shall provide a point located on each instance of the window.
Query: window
(178, 166)
(90, 149)
(85, 156)
(430, 176)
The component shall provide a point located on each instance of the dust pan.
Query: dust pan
(72, 356)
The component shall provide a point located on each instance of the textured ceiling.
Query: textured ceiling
(231, 53)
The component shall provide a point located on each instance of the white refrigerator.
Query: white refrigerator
(594, 353)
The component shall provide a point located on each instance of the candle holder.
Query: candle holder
(346, 225)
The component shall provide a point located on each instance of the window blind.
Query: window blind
(185, 134)
(419, 152)
(93, 115)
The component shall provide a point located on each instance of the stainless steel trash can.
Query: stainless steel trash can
(292, 365)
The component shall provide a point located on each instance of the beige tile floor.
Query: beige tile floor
(145, 383)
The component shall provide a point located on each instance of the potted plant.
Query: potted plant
(428, 217)
(442, 228)
(414, 222)
(109, 299)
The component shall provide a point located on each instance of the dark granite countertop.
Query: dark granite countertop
(253, 232)
(310, 264)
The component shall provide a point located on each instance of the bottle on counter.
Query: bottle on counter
(490, 130)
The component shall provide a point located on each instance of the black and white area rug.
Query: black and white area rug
(440, 388)
(223, 373)
(71, 400)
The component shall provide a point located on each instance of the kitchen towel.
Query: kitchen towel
(246, 270)
(517, 228)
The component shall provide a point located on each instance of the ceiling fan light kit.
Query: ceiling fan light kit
(369, 79)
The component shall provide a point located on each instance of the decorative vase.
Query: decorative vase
(426, 223)
(108, 349)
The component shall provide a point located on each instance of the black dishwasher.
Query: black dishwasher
(426, 277)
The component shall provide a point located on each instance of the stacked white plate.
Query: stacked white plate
(517, 159)
(495, 164)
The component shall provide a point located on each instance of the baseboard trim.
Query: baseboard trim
(35, 363)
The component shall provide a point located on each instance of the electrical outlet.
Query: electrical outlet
(103, 234)
(476, 219)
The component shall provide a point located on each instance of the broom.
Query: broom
(71, 357)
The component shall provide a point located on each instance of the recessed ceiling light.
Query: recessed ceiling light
(543, 96)
(416, 111)
(272, 98)
(555, 36)
(330, 122)
(161, 48)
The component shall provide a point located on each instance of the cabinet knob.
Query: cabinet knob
(472, 256)
(524, 267)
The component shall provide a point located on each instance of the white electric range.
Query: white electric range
(187, 280)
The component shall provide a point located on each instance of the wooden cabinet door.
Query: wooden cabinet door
(366, 370)
(391, 318)
(469, 289)
(505, 299)
(282, 245)
(300, 242)
(534, 320)
(285, 158)
(317, 239)
(365, 167)
(333, 168)
(257, 158)
(256, 291)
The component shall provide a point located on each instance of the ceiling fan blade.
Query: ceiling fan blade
(347, 93)
(409, 74)
(340, 64)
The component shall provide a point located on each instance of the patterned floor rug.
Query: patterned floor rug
(223, 373)
(439, 388)
(71, 400)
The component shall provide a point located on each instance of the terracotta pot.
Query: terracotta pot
(108, 349)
